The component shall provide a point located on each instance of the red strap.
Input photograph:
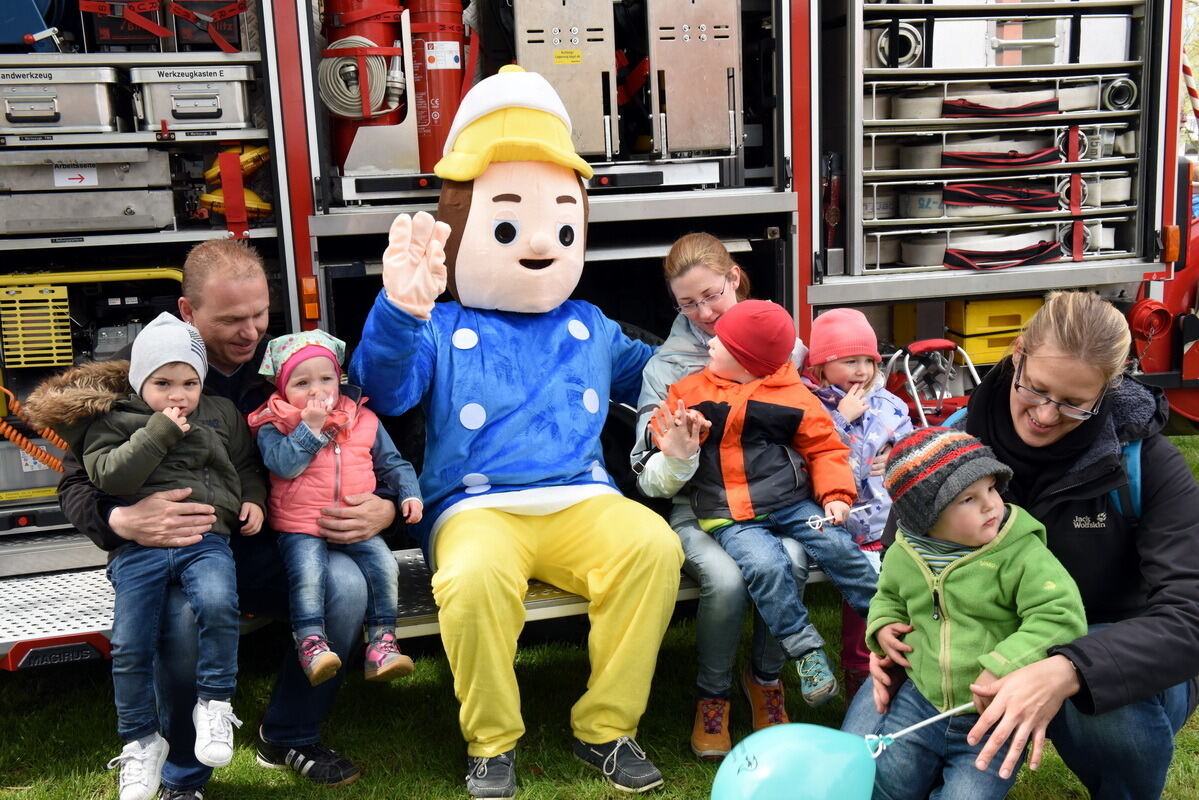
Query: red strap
(1078, 246)
(983, 260)
(633, 82)
(236, 218)
(1076, 194)
(1072, 143)
(129, 13)
(375, 13)
(205, 23)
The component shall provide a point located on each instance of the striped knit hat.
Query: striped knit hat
(928, 468)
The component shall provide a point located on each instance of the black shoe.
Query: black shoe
(165, 793)
(315, 762)
(623, 763)
(491, 777)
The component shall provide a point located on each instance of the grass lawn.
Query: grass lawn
(57, 724)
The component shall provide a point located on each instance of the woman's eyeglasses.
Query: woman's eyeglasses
(708, 299)
(1033, 397)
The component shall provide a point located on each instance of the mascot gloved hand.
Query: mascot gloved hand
(515, 380)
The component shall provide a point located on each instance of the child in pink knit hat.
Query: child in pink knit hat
(843, 370)
(320, 444)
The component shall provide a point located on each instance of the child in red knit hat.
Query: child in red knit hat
(843, 368)
(761, 456)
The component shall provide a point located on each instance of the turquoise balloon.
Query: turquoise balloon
(796, 762)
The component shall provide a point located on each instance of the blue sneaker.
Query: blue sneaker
(816, 679)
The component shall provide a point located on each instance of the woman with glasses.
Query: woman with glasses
(705, 283)
(1058, 411)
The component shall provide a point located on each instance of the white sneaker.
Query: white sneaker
(214, 723)
(141, 768)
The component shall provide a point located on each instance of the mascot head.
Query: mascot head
(513, 196)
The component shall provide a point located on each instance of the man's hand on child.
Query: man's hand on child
(413, 510)
(838, 510)
(890, 639)
(315, 414)
(853, 404)
(175, 415)
(251, 519)
(362, 516)
(678, 433)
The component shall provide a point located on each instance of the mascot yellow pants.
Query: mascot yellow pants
(617, 553)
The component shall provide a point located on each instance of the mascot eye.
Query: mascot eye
(566, 234)
(505, 231)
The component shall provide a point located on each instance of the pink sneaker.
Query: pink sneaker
(384, 661)
(316, 659)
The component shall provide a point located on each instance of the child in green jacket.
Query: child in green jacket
(969, 592)
(164, 434)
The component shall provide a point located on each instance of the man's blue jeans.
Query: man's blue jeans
(1120, 755)
(306, 560)
(723, 601)
(757, 548)
(140, 577)
(934, 761)
(296, 708)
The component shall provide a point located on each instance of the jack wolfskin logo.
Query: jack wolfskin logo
(1100, 521)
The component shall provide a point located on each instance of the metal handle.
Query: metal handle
(29, 110)
(1013, 44)
(196, 106)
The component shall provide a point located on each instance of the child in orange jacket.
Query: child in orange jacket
(761, 458)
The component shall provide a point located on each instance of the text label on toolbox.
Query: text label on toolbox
(26, 76)
(191, 74)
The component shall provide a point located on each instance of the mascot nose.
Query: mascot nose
(541, 242)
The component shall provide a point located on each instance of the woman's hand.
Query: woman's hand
(890, 639)
(853, 404)
(879, 465)
(1020, 707)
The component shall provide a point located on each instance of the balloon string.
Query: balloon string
(877, 744)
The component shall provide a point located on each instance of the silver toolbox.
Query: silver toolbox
(86, 212)
(58, 100)
(191, 97)
(72, 170)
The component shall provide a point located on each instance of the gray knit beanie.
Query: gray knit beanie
(930, 467)
(164, 341)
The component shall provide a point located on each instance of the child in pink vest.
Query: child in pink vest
(321, 443)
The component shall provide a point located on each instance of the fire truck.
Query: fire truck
(939, 165)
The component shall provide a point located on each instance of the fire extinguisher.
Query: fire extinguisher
(360, 75)
(438, 37)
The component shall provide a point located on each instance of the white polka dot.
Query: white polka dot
(597, 472)
(578, 329)
(472, 416)
(475, 479)
(464, 338)
(591, 400)
(483, 487)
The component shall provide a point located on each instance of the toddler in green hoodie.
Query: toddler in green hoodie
(968, 593)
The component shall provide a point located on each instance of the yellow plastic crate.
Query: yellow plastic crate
(986, 328)
(35, 326)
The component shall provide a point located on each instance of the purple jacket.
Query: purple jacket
(884, 422)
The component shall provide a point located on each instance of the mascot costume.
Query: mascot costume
(514, 379)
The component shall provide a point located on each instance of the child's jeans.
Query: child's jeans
(140, 577)
(934, 761)
(306, 559)
(758, 551)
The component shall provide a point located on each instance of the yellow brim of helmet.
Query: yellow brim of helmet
(512, 134)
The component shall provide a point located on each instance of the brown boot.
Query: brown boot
(767, 701)
(710, 734)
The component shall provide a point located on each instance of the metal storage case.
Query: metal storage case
(191, 97)
(59, 212)
(66, 170)
(58, 100)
